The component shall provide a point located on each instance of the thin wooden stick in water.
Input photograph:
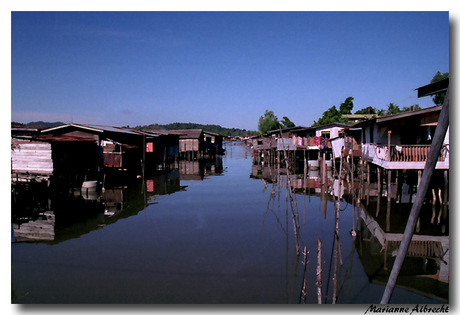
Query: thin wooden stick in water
(319, 271)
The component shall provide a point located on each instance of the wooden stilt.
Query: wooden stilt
(446, 190)
(388, 201)
(379, 189)
(368, 183)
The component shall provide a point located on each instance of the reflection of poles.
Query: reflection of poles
(293, 272)
(349, 273)
(290, 193)
(443, 124)
(336, 252)
(337, 238)
(352, 170)
(304, 285)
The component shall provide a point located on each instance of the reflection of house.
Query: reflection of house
(40, 229)
(426, 267)
(42, 215)
(199, 170)
(164, 184)
(118, 201)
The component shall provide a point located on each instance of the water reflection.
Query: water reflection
(200, 169)
(374, 239)
(237, 238)
(42, 214)
(426, 267)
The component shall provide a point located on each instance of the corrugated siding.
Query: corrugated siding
(187, 145)
(32, 157)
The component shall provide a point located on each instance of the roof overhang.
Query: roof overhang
(433, 88)
(72, 125)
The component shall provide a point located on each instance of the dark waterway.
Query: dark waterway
(206, 233)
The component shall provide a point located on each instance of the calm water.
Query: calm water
(204, 234)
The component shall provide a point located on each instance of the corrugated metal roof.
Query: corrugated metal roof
(52, 138)
(188, 133)
(211, 133)
(399, 116)
(70, 125)
(111, 129)
(101, 129)
(161, 132)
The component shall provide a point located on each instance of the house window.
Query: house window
(326, 134)
(149, 147)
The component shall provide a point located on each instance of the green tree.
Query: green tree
(268, 121)
(412, 107)
(334, 115)
(346, 107)
(392, 109)
(368, 110)
(438, 99)
(287, 123)
(329, 116)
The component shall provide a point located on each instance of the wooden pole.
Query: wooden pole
(388, 201)
(379, 189)
(352, 171)
(319, 272)
(436, 144)
(446, 181)
(304, 171)
(389, 146)
(368, 183)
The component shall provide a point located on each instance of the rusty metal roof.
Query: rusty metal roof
(188, 133)
(52, 138)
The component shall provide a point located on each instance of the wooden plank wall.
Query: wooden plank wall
(31, 157)
(187, 145)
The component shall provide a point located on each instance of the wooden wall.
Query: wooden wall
(186, 145)
(33, 157)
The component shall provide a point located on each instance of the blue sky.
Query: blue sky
(224, 68)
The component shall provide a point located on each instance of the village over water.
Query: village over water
(370, 171)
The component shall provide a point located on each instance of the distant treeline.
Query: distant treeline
(41, 124)
(229, 132)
